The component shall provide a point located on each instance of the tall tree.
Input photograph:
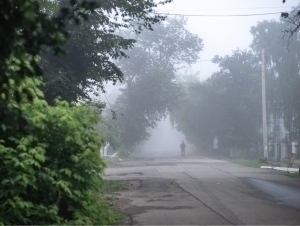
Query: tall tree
(282, 75)
(239, 77)
(49, 162)
(42, 181)
(93, 46)
(25, 30)
(150, 85)
(227, 105)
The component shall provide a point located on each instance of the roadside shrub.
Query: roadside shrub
(262, 160)
(124, 153)
(51, 174)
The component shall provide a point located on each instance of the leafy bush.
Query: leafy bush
(263, 160)
(110, 132)
(51, 174)
(124, 153)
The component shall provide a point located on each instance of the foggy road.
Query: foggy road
(203, 191)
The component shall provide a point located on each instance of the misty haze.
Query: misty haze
(164, 142)
(157, 112)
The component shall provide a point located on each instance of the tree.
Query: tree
(145, 103)
(50, 165)
(149, 75)
(240, 112)
(293, 19)
(92, 47)
(87, 64)
(52, 175)
(36, 179)
(194, 116)
(282, 76)
(109, 130)
(25, 30)
(227, 105)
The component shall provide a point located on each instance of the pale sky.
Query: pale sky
(222, 35)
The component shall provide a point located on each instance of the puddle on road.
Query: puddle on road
(282, 194)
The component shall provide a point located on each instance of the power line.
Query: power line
(202, 60)
(203, 15)
(107, 99)
(181, 83)
(215, 9)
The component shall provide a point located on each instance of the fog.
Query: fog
(221, 36)
(148, 115)
(164, 142)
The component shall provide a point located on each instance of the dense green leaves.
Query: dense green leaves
(50, 165)
(26, 29)
(109, 130)
(52, 175)
(93, 46)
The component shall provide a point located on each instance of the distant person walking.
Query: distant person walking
(182, 147)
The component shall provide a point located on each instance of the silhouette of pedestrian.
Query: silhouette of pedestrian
(182, 147)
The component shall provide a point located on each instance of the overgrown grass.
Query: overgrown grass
(256, 163)
(116, 162)
(107, 199)
(111, 163)
(293, 175)
(111, 186)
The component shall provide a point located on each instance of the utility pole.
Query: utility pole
(265, 139)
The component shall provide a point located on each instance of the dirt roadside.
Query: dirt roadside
(121, 204)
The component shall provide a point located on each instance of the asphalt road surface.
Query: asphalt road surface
(203, 191)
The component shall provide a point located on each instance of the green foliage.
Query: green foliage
(263, 160)
(110, 186)
(293, 174)
(227, 105)
(107, 200)
(151, 89)
(52, 176)
(47, 177)
(282, 78)
(50, 166)
(25, 30)
(87, 64)
(246, 162)
(109, 131)
(93, 46)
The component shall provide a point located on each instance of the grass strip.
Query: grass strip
(293, 174)
(107, 199)
(255, 163)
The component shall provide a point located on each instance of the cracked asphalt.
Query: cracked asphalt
(203, 191)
